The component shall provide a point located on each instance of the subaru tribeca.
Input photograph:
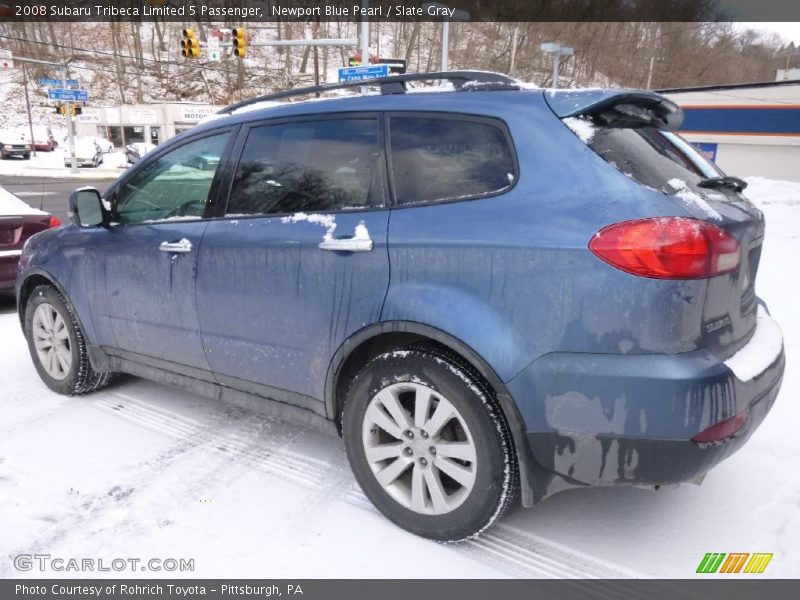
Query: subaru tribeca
(489, 292)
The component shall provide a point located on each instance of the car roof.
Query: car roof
(435, 100)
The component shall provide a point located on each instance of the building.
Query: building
(747, 129)
(152, 123)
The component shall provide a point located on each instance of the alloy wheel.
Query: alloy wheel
(419, 448)
(51, 340)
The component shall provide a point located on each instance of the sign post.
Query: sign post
(73, 167)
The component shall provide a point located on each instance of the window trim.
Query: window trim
(216, 184)
(238, 151)
(451, 116)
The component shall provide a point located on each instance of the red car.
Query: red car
(18, 222)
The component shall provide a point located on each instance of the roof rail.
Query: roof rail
(396, 84)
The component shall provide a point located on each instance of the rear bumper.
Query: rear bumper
(614, 419)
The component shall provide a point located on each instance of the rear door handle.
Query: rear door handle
(348, 245)
(181, 247)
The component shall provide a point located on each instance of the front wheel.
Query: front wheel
(57, 345)
(428, 443)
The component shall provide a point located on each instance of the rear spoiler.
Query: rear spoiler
(628, 108)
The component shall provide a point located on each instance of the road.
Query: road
(48, 193)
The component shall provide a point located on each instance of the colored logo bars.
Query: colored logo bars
(736, 562)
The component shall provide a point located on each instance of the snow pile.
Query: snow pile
(326, 221)
(580, 127)
(683, 192)
(772, 191)
(10, 205)
(760, 352)
(362, 233)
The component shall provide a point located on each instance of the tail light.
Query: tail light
(667, 248)
(722, 430)
(54, 222)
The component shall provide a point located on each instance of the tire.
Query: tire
(442, 479)
(26, 156)
(72, 373)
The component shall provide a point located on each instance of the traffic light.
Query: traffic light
(239, 36)
(61, 109)
(190, 44)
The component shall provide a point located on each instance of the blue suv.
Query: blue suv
(490, 291)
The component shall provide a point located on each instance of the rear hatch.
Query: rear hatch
(633, 132)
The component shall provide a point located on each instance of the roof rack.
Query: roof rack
(396, 84)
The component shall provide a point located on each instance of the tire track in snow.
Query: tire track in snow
(262, 443)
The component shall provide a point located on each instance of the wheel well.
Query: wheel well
(30, 284)
(360, 356)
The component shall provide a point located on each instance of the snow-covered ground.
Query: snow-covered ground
(141, 470)
(51, 164)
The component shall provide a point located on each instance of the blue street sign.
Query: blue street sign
(359, 73)
(69, 95)
(48, 81)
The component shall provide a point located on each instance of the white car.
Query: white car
(137, 150)
(87, 153)
(105, 145)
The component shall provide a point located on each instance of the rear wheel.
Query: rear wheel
(428, 443)
(57, 345)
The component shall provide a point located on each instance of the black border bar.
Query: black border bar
(745, 588)
(252, 11)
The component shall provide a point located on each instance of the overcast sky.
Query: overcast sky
(789, 31)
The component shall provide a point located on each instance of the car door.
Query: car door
(300, 261)
(143, 296)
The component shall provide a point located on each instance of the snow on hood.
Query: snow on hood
(11, 206)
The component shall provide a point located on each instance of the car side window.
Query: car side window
(322, 165)
(448, 158)
(175, 185)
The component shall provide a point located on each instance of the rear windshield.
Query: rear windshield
(659, 159)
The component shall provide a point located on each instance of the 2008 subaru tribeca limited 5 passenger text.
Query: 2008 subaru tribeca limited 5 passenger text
(488, 291)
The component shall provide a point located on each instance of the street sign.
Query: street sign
(213, 49)
(68, 95)
(6, 59)
(360, 73)
(50, 82)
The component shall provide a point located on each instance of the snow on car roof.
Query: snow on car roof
(11, 206)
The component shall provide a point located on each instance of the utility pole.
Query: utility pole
(364, 40)
(458, 15)
(650, 73)
(73, 167)
(28, 106)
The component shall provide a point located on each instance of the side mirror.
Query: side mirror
(86, 208)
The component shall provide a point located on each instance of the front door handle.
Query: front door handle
(348, 245)
(181, 247)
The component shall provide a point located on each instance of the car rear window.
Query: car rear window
(659, 159)
(447, 158)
